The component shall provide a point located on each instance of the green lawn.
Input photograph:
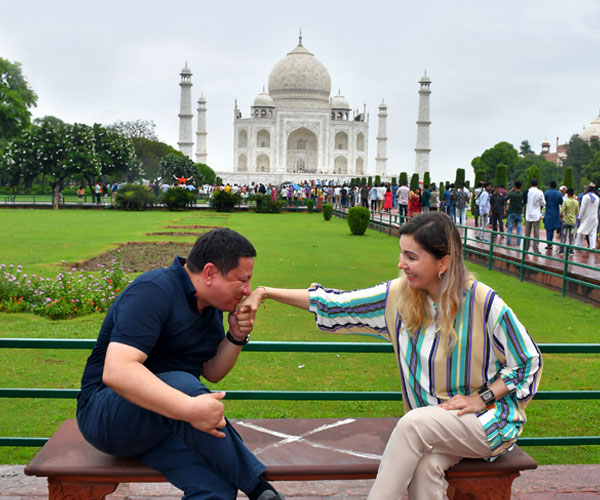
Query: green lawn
(294, 250)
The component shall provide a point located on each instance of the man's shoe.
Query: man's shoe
(270, 495)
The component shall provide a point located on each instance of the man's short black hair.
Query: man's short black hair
(221, 247)
(552, 184)
(518, 184)
(534, 182)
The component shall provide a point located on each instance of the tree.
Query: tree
(533, 172)
(15, 100)
(116, 156)
(548, 171)
(501, 178)
(414, 181)
(460, 177)
(177, 165)
(135, 129)
(568, 179)
(204, 174)
(591, 171)
(150, 153)
(403, 178)
(503, 152)
(578, 155)
(426, 179)
(525, 148)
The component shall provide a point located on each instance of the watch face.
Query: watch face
(487, 396)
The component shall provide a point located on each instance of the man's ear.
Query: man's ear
(209, 272)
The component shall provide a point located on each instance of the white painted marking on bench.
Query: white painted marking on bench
(290, 438)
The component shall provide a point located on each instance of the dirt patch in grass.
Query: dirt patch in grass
(172, 233)
(193, 227)
(137, 257)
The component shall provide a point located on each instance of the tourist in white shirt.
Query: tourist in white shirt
(402, 194)
(588, 218)
(533, 214)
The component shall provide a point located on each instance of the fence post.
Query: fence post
(565, 270)
(491, 252)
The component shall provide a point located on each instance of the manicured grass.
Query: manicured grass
(294, 250)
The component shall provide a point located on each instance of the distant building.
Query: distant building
(592, 131)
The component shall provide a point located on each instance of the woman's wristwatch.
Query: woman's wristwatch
(487, 395)
(235, 341)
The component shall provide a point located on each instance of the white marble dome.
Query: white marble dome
(592, 130)
(300, 76)
(339, 102)
(264, 100)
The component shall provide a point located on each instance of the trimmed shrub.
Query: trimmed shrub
(358, 220)
(568, 179)
(327, 211)
(177, 198)
(403, 178)
(134, 197)
(266, 205)
(414, 181)
(223, 201)
(426, 179)
(310, 205)
(377, 180)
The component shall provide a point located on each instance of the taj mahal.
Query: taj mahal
(297, 131)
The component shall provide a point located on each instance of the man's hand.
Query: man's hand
(466, 404)
(241, 322)
(246, 311)
(208, 413)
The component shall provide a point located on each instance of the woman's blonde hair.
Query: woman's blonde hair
(436, 234)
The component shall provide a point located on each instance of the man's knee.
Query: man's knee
(184, 382)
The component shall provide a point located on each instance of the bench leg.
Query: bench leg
(481, 487)
(65, 490)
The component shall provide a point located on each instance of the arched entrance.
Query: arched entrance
(302, 151)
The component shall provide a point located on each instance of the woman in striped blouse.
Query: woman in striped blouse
(468, 367)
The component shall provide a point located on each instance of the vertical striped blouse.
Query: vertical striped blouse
(492, 343)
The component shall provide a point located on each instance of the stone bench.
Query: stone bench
(292, 450)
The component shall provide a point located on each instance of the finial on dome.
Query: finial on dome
(300, 37)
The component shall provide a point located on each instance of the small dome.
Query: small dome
(592, 130)
(339, 102)
(186, 70)
(425, 78)
(264, 100)
(300, 76)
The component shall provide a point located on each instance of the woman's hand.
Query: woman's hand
(465, 404)
(246, 309)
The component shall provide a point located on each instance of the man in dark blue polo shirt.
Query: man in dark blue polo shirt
(140, 391)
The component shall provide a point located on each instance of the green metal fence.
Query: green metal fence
(313, 347)
(566, 266)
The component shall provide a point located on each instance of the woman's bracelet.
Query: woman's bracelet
(265, 297)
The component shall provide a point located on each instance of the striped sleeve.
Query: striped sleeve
(357, 311)
(523, 368)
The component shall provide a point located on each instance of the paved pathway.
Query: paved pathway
(550, 482)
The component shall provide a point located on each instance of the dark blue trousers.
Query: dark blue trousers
(203, 466)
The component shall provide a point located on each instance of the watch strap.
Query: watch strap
(235, 341)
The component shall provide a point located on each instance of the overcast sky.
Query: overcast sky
(500, 71)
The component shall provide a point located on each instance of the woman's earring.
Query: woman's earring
(440, 275)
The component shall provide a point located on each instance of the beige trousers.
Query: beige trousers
(426, 442)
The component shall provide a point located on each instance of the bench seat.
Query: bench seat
(292, 450)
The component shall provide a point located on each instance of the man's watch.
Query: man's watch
(235, 341)
(487, 395)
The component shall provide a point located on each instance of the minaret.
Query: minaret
(381, 158)
(186, 142)
(423, 123)
(201, 132)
